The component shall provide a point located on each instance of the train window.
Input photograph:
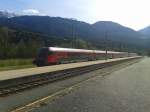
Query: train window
(50, 52)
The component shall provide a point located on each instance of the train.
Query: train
(57, 55)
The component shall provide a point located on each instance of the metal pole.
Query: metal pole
(72, 35)
(106, 39)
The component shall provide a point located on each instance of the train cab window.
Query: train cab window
(43, 52)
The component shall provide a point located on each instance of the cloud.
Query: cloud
(31, 11)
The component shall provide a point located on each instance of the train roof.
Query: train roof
(58, 49)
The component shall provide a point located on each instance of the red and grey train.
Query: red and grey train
(56, 55)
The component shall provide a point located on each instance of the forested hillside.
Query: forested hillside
(15, 44)
(23, 36)
(22, 44)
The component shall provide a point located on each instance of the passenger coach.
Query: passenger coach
(55, 55)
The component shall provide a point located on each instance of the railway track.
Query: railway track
(43, 79)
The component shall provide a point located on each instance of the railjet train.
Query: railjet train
(55, 55)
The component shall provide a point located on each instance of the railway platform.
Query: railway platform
(14, 80)
(37, 97)
(14, 74)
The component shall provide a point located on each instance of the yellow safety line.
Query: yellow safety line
(37, 102)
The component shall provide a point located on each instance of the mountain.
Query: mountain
(99, 34)
(6, 14)
(62, 27)
(145, 31)
(116, 32)
(53, 26)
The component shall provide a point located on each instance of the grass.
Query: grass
(11, 64)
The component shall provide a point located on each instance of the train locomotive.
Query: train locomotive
(55, 55)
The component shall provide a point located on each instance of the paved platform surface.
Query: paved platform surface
(21, 99)
(126, 90)
(12, 74)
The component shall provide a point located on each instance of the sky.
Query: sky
(131, 13)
